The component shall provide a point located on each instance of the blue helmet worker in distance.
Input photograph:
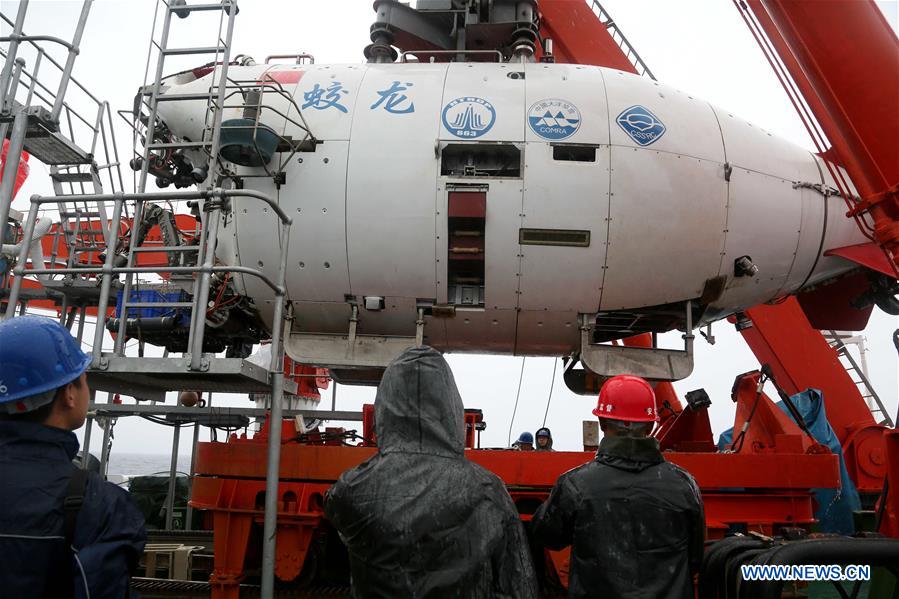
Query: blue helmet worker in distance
(64, 532)
(525, 442)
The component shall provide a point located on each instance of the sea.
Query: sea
(125, 465)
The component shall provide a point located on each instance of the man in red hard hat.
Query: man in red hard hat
(634, 522)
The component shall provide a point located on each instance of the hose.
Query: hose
(36, 251)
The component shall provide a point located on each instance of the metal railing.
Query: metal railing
(619, 38)
(213, 203)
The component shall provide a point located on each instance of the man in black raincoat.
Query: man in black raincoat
(544, 440)
(634, 522)
(418, 519)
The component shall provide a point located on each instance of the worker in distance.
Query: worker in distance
(634, 522)
(418, 519)
(524, 442)
(544, 440)
(64, 532)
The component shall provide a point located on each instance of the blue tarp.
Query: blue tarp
(835, 506)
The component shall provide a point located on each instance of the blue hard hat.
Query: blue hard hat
(37, 355)
(525, 437)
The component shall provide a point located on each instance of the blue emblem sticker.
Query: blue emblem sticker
(641, 125)
(468, 117)
(554, 119)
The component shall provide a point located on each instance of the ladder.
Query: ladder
(82, 228)
(220, 52)
(859, 375)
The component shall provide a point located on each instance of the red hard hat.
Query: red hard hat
(627, 397)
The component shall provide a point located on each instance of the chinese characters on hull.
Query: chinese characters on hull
(393, 100)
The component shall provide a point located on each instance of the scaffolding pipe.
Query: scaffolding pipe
(70, 61)
(173, 473)
(88, 426)
(189, 516)
(201, 297)
(14, 86)
(7, 103)
(104, 449)
(276, 368)
(105, 284)
(10, 170)
(11, 53)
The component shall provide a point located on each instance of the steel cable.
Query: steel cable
(552, 383)
(515, 409)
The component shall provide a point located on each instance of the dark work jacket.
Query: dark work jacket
(35, 468)
(418, 519)
(634, 522)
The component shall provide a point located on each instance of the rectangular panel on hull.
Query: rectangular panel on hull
(315, 196)
(391, 182)
(651, 114)
(839, 232)
(327, 97)
(666, 233)
(753, 148)
(764, 217)
(502, 263)
(547, 333)
(478, 330)
(254, 230)
(482, 102)
(811, 229)
(571, 196)
(566, 104)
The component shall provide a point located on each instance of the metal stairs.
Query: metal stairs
(858, 372)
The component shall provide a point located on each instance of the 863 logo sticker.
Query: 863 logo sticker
(468, 117)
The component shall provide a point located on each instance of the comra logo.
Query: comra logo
(554, 119)
(641, 125)
(468, 117)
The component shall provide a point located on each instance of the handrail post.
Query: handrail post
(273, 466)
(11, 169)
(11, 53)
(70, 61)
(198, 316)
(106, 282)
(19, 270)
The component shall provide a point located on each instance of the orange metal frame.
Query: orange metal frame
(843, 57)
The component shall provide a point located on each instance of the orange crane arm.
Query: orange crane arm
(579, 37)
(844, 59)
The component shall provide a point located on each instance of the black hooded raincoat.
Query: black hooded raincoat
(418, 519)
(549, 444)
(634, 522)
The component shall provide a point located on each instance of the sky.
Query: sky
(699, 46)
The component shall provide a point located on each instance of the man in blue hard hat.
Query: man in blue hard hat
(525, 442)
(64, 532)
